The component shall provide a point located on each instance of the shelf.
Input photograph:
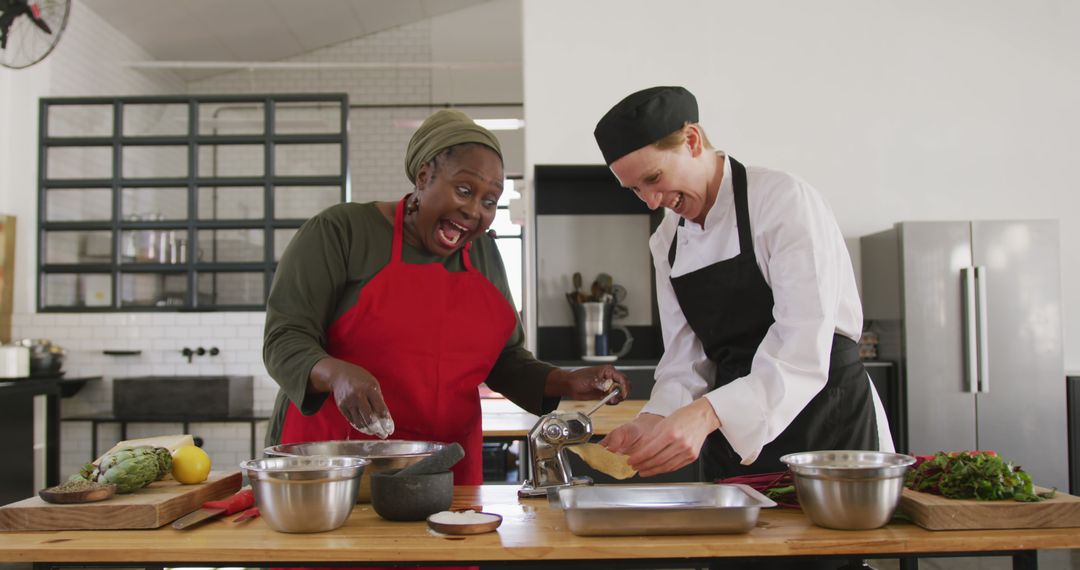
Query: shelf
(171, 202)
(583, 189)
(71, 386)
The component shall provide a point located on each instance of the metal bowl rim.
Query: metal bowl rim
(793, 460)
(275, 450)
(354, 463)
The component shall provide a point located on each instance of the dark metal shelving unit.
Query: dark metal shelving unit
(190, 266)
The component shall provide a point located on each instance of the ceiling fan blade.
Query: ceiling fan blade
(41, 24)
(23, 45)
(35, 16)
(5, 27)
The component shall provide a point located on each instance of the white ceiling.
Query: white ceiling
(257, 30)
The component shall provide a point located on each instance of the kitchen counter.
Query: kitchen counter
(502, 419)
(531, 531)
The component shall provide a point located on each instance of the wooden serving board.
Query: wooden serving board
(935, 512)
(153, 506)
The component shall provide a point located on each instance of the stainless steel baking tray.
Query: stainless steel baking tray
(678, 508)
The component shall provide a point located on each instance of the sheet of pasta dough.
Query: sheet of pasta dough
(604, 461)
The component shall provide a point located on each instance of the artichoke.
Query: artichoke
(164, 461)
(130, 469)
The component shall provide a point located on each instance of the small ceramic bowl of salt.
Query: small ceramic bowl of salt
(464, 522)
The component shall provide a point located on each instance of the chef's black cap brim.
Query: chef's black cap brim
(643, 118)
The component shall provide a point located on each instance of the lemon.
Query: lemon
(190, 465)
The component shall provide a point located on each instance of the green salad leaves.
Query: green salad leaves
(981, 475)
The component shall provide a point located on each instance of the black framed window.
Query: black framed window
(180, 202)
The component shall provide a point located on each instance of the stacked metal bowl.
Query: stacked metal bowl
(382, 455)
(305, 494)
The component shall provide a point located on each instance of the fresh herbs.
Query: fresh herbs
(77, 485)
(981, 475)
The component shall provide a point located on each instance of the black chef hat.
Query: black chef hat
(643, 118)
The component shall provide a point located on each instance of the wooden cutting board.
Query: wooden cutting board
(935, 512)
(153, 506)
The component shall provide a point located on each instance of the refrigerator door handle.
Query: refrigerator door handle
(971, 346)
(982, 329)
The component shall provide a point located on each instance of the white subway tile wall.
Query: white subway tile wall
(160, 337)
(376, 145)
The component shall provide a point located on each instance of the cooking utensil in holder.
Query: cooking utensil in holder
(593, 327)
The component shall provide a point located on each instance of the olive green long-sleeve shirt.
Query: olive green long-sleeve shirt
(320, 276)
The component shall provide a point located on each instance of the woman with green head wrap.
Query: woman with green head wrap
(401, 309)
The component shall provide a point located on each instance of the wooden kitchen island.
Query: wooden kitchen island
(504, 421)
(531, 533)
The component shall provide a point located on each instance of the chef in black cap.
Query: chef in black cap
(757, 299)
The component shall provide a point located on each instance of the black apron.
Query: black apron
(729, 307)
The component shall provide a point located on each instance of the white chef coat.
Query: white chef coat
(801, 253)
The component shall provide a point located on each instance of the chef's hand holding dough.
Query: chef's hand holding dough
(673, 441)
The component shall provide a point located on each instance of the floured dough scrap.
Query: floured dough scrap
(604, 461)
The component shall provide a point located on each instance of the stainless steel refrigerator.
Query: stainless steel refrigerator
(971, 312)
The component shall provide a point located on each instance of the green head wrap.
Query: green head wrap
(441, 131)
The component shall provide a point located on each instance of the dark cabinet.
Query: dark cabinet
(1072, 387)
(887, 382)
(30, 422)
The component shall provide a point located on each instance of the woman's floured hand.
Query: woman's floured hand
(595, 382)
(357, 394)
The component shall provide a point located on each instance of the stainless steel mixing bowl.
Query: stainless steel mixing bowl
(305, 494)
(382, 455)
(848, 490)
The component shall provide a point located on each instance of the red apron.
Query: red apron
(430, 337)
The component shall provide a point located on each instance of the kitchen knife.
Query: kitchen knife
(248, 514)
(242, 500)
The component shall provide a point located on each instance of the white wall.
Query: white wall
(488, 33)
(377, 139)
(591, 245)
(89, 61)
(19, 93)
(894, 111)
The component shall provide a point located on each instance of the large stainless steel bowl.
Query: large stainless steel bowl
(382, 455)
(848, 490)
(305, 494)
